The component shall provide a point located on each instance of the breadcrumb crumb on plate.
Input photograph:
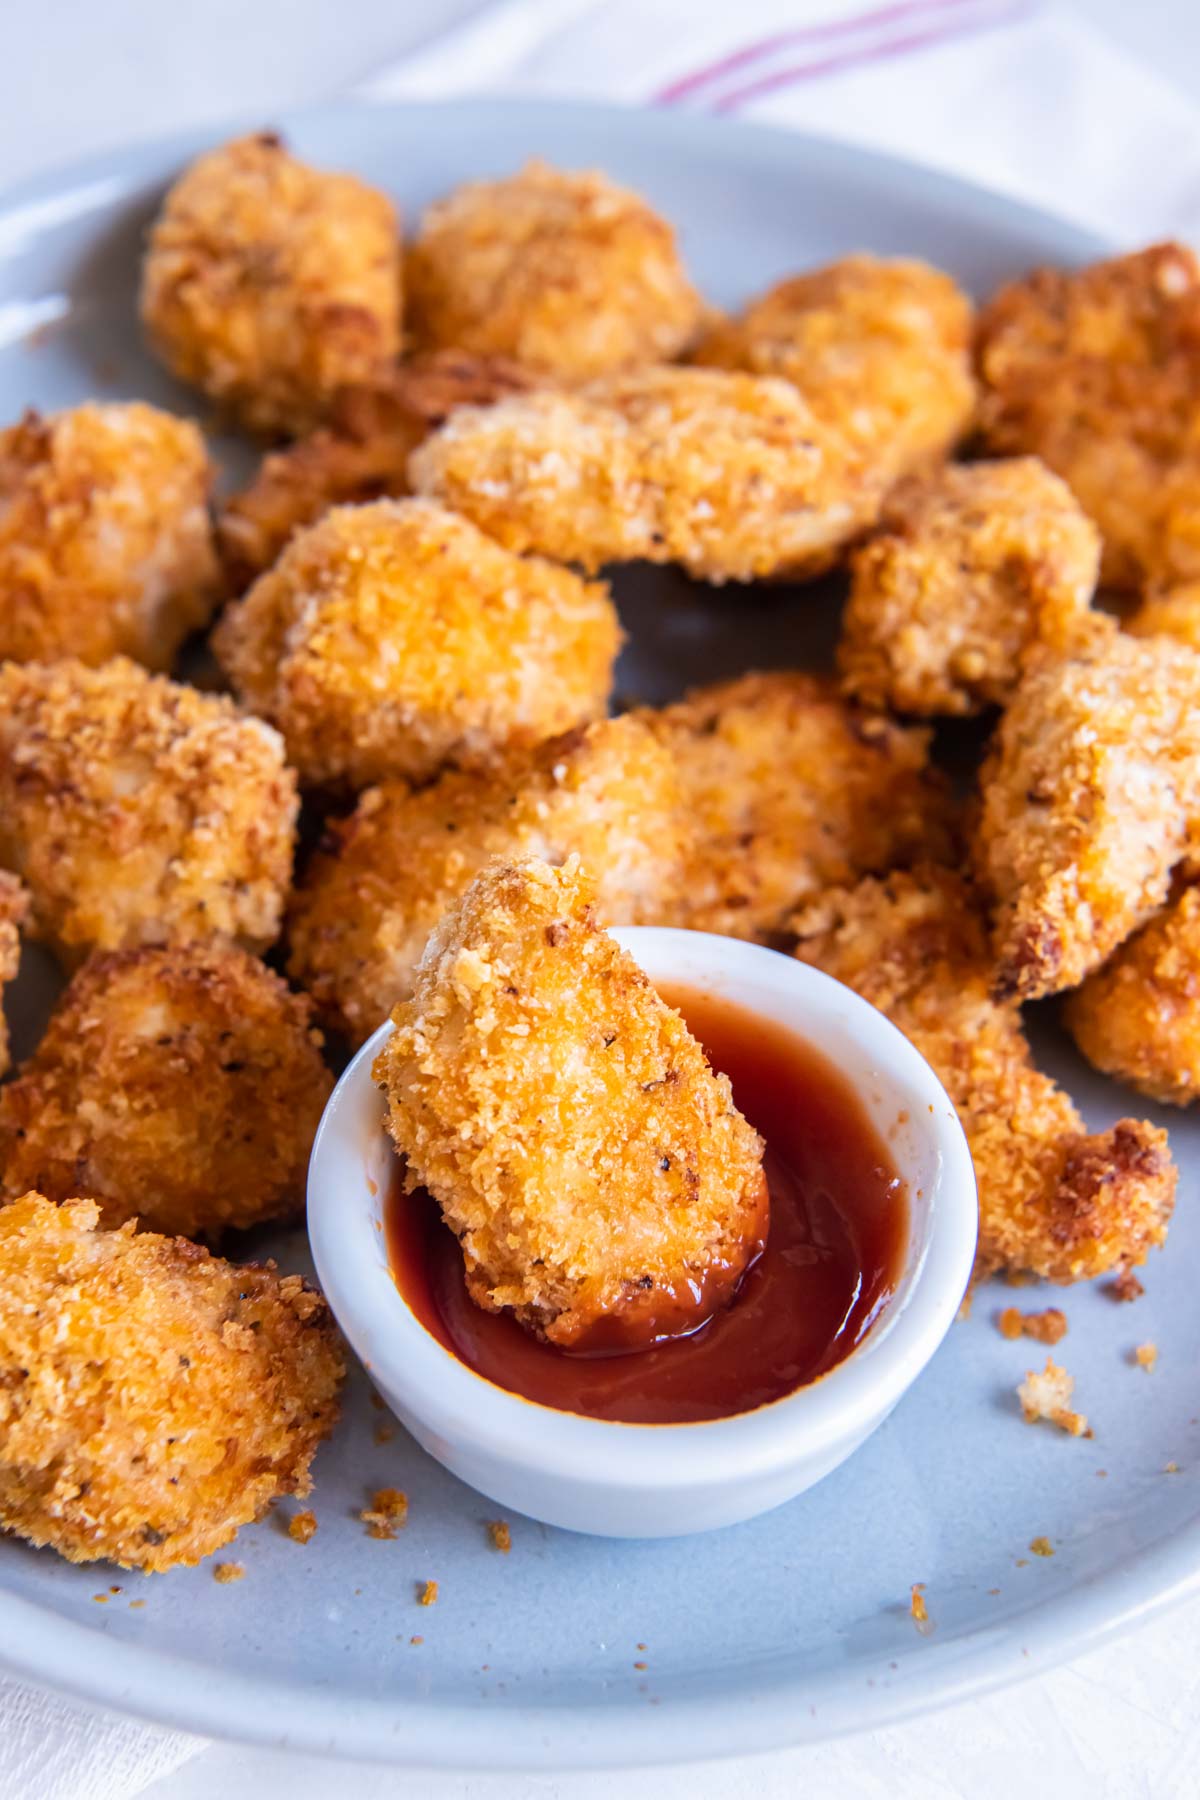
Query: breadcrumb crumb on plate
(225, 1572)
(302, 1527)
(1048, 1396)
(1146, 1357)
(1046, 1327)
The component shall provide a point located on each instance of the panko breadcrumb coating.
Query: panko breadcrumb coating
(1054, 1200)
(1169, 612)
(595, 1170)
(1048, 1396)
(269, 284)
(14, 904)
(880, 349)
(1097, 371)
(105, 543)
(361, 453)
(1138, 1017)
(362, 914)
(394, 637)
(137, 810)
(971, 567)
(788, 790)
(731, 476)
(182, 1086)
(564, 272)
(153, 1398)
(1088, 797)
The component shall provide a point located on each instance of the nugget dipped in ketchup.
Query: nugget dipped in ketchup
(595, 1170)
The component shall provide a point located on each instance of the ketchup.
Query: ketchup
(834, 1252)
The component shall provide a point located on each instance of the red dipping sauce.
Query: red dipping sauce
(834, 1253)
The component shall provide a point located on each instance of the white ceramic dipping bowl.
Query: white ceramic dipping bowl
(622, 1480)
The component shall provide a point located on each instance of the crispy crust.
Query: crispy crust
(1169, 612)
(593, 1167)
(370, 898)
(1098, 373)
(788, 789)
(1138, 1018)
(14, 905)
(137, 810)
(153, 1398)
(394, 637)
(181, 1085)
(564, 272)
(732, 476)
(269, 285)
(970, 568)
(361, 453)
(1087, 798)
(1053, 1200)
(105, 542)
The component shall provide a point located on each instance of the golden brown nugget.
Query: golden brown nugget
(182, 1086)
(105, 541)
(731, 476)
(269, 284)
(1138, 1017)
(394, 637)
(137, 810)
(361, 453)
(153, 1398)
(563, 271)
(789, 789)
(1054, 1200)
(370, 898)
(970, 567)
(14, 905)
(880, 349)
(595, 1170)
(1097, 371)
(1088, 797)
(1169, 612)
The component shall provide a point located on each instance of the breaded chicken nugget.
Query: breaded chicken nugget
(595, 1170)
(137, 810)
(1089, 795)
(880, 349)
(363, 912)
(1169, 612)
(269, 284)
(360, 454)
(1054, 1200)
(971, 566)
(1138, 1018)
(105, 542)
(153, 1398)
(1097, 371)
(564, 272)
(14, 904)
(731, 476)
(182, 1086)
(788, 789)
(393, 637)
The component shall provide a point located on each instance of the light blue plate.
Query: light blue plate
(793, 1627)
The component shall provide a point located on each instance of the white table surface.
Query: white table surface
(1122, 1723)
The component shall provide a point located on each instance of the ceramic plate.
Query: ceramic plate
(579, 1651)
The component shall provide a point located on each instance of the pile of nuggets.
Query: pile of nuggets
(417, 648)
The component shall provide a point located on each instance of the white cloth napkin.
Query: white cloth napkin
(1020, 97)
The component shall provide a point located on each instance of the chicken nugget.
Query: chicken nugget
(14, 904)
(153, 1398)
(137, 810)
(370, 898)
(595, 1170)
(361, 453)
(1097, 371)
(880, 349)
(1054, 1200)
(789, 789)
(105, 541)
(971, 566)
(182, 1086)
(1088, 797)
(394, 637)
(269, 284)
(731, 476)
(564, 272)
(1138, 1017)
(1169, 612)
